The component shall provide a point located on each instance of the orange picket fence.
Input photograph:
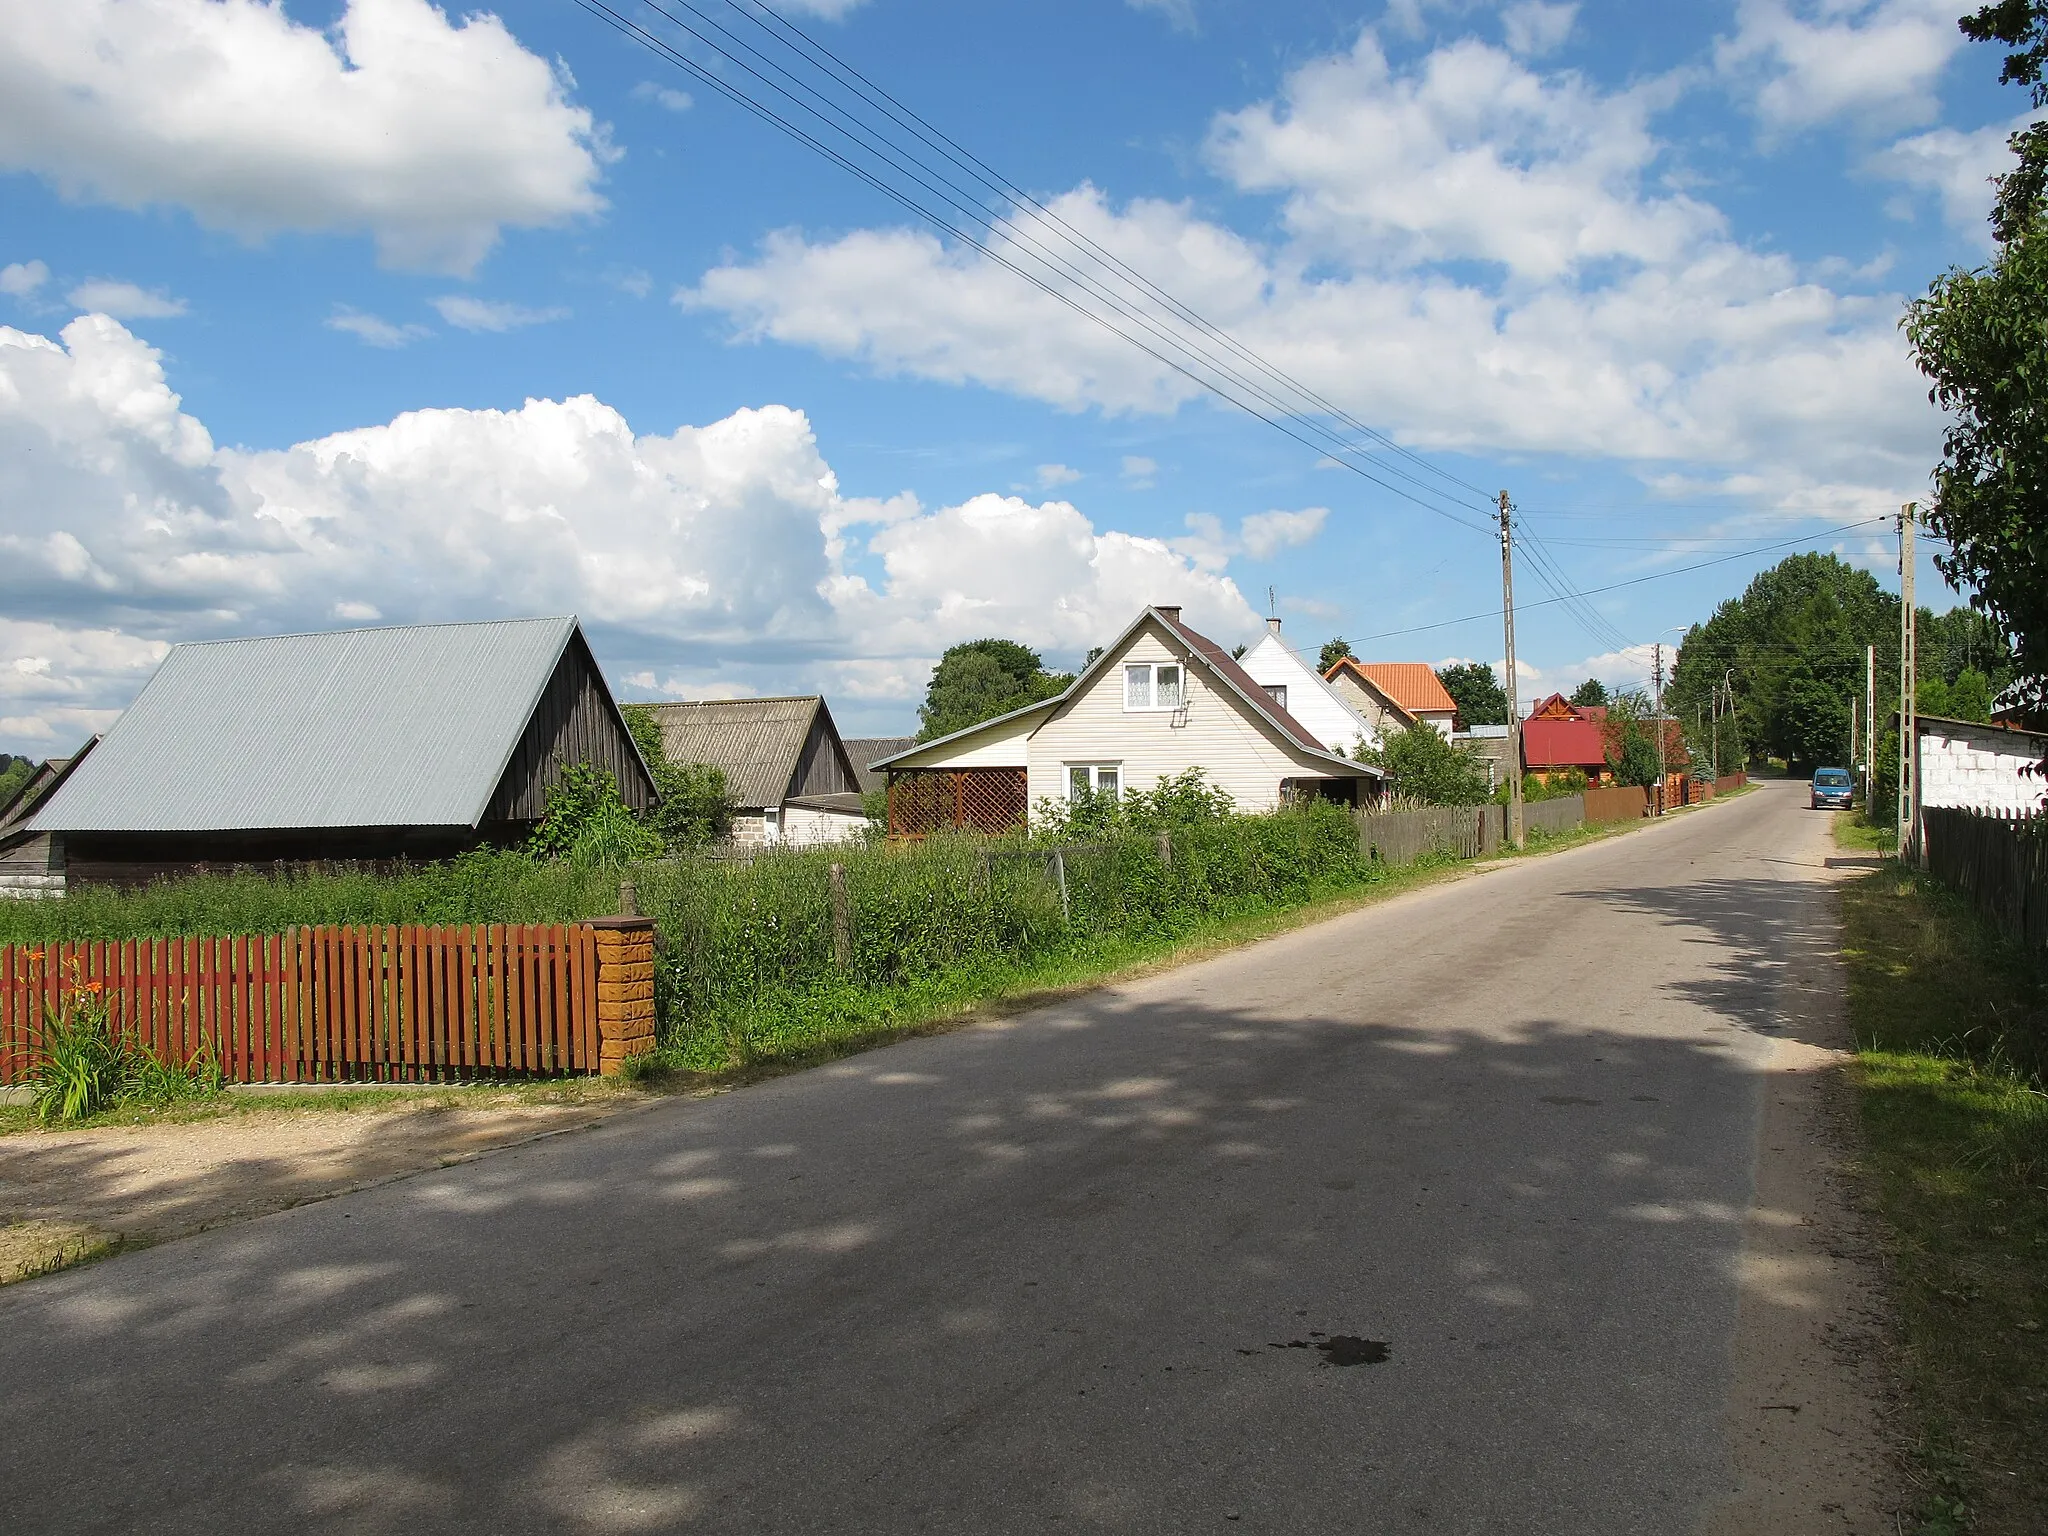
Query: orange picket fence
(342, 1004)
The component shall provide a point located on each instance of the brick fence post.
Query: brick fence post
(625, 989)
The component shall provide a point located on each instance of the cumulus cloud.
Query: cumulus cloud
(474, 314)
(725, 550)
(663, 96)
(1265, 534)
(1478, 257)
(1050, 475)
(19, 279)
(1956, 167)
(429, 134)
(125, 301)
(1534, 28)
(1139, 472)
(1806, 62)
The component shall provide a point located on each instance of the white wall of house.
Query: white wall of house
(804, 826)
(1444, 720)
(1236, 751)
(1977, 767)
(1308, 698)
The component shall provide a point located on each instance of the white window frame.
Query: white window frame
(1151, 671)
(1276, 693)
(1095, 772)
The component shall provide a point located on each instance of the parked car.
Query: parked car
(1833, 789)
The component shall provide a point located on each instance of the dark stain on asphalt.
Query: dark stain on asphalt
(1565, 1098)
(1343, 1349)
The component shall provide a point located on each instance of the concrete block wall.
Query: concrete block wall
(1978, 768)
(625, 990)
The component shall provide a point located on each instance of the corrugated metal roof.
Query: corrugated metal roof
(863, 750)
(402, 727)
(755, 742)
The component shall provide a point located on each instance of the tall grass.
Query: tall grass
(748, 964)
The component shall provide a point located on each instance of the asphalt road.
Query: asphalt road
(1045, 1274)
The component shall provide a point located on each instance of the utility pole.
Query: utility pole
(1855, 729)
(1869, 729)
(1507, 614)
(1909, 790)
(1657, 719)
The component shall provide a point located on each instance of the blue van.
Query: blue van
(1833, 789)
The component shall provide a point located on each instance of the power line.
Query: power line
(1195, 363)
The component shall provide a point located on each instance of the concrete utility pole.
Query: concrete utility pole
(1909, 791)
(1869, 727)
(1657, 719)
(1507, 614)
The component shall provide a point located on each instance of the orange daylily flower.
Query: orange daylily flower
(95, 987)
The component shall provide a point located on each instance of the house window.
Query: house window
(1277, 692)
(1085, 779)
(1153, 685)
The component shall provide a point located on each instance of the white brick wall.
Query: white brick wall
(1977, 767)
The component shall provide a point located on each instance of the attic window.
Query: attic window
(1153, 685)
(1277, 692)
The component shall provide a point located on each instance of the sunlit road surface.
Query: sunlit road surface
(1423, 1219)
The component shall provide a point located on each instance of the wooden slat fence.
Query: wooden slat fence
(1622, 802)
(328, 1004)
(1999, 862)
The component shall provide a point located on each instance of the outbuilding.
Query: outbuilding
(413, 742)
(786, 770)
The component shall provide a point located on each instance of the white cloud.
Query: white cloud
(373, 329)
(1139, 472)
(125, 301)
(1469, 155)
(1806, 62)
(1050, 475)
(725, 551)
(473, 314)
(1180, 14)
(431, 135)
(19, 279)
(824, 10)
(1265, 534)
(1957, 167)
(1533, 28)
(663, 96)
(1619, 321)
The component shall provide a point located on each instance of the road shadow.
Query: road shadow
(1047, 1271)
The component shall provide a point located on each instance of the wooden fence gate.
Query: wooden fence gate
(340, 1004)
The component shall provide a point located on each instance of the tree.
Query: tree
(1979, 335)
(1591, 694)
(1421, 765)
(980, 679)
(694, 810)
(1630, 734)
(1334, 650)
(1477, 691)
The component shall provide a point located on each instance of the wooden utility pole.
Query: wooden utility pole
(1909, 790)
(1869, 728)
(1507, 614)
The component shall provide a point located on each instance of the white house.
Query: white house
(1159, 700)
(1300, 690)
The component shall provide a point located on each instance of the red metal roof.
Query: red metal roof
(1563, 744)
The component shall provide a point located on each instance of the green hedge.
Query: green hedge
(747, 951)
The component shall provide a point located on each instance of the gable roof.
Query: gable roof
(863, 751)
(1411, 686)
(408, 726)
(758, 744)
(44, 778)
(1217, 660)
(1272, 649)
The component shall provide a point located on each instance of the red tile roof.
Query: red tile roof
(1410, 684)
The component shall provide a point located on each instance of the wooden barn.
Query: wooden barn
(370, 744)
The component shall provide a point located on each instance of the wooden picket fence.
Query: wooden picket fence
(1999, 862)
(326, 1004)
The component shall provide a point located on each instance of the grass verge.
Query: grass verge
(1951, 1023)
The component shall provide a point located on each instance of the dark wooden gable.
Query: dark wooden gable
(823, 768)
(576, 721)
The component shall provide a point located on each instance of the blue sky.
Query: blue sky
(375, 312)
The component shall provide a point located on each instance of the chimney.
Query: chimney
(1169, 611)
(1273, 626)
